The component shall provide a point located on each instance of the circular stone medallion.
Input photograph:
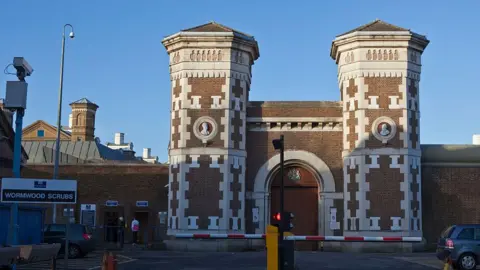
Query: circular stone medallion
(205, 128)
(384, 129)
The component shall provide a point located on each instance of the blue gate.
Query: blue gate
(30, 224)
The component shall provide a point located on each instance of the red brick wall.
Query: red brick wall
(126, 183)
(450, 195)
(294, 109)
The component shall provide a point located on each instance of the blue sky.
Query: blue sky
(117, 59)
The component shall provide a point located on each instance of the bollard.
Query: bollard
(272, 247)
(53, 263)
(448, 264)
(112, 262)
(105, 261)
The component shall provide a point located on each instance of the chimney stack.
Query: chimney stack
(147, 152)
(476, 139)
(119, 138)
(70, 121)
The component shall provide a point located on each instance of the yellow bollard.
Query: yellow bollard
(272, 247)
(448, 264)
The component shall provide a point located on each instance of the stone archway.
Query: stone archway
(318, 167)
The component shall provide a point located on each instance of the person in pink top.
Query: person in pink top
(135, 229)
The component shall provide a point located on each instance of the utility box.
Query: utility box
(16, 95)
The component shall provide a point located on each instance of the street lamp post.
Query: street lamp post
(59, 113)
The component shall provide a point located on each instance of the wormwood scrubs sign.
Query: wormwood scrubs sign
(23, 190)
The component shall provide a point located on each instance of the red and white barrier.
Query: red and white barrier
(219, 236)
(354, 238)
(304, 237)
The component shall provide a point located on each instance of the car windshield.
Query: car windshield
(446, 233)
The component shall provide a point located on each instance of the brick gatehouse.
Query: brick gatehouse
(354, 166)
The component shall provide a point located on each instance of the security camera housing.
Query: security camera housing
(22, 66)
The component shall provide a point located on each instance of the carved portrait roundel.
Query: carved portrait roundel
(205, 128)
(384, 129)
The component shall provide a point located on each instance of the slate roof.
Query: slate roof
(83, 101)
(377, 25)
(71, 152)
(216, 27)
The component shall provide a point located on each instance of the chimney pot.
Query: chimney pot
(476, 139)
(147, 152)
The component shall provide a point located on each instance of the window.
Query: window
(477, 233)
(57, 228)
(40, 133)
(466, 234)
(447, 232)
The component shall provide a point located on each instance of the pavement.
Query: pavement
(166, 260)
(90, 262)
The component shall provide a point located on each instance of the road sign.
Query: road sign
(24, 190)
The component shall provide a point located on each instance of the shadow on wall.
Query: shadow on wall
(125, 183)
(450, 191)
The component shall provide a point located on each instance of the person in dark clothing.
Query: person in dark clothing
(121, 231)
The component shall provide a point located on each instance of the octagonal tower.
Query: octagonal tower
(379, 68)
(210, 68)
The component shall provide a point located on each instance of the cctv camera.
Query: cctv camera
(22, 66)
(72, 35)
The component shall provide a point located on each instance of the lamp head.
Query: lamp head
(72, 35)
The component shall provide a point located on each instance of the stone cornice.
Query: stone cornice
(210, 74)
(377, 73)
(310, 124)
(358, 39)
(182, 40)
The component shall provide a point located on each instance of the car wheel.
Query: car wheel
(467, 262)
(74, 252)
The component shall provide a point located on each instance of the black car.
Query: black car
(80, 238)
(461, 243)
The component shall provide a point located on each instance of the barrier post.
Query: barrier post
(272, 247)
(289, 252)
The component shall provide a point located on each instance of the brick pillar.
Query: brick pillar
(210, 71)
(379, 73)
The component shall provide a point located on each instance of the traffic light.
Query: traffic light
(285, 220)
(288, 221)
(277, 219)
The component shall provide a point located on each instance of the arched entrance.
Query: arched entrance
(301, 199)
(317, 167)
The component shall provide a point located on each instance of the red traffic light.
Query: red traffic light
(277, 216)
